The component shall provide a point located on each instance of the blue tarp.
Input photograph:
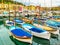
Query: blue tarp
(18, 21)
(20, 32)
(37, 30)
(10, 23)
(33, 28)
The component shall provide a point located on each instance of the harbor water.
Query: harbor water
(5, 39)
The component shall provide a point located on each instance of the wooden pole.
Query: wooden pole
(30, 30)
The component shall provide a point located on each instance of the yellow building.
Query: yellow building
(25, 7)
(32, 8)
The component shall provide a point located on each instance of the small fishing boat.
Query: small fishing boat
(49, 29)
(5, 12)
(18, 21)
(27, 20)
(20, 34)
(38, 32)
(56, 16)
(52, 23)
(35, 31)
(58, 20)
(9, 23)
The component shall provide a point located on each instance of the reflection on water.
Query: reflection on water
(18, 42)
(52, 41)
(37, 41)
(40, 41)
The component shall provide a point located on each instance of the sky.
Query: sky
(43, 3)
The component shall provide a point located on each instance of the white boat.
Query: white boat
(9, 23)
(20, 34)
(49, 29)
(36, 31)
(18, 21)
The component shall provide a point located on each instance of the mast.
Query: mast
(39, 10)
(45, 9)
(15, 9)
(2, 11)
(30, 30)
(51, 10)
(15, 14)
(51, 6)
(9, 10)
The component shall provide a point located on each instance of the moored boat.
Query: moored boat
(18, 21)
(20, 34)
(9, 23)
(38, 32)
(49, 29)
(52, 23)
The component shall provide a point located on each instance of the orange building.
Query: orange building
(39, 8)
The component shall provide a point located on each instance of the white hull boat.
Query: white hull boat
(49, 29)
(9, 23)
(20, 34)
(36, 31)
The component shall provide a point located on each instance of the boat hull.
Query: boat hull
(27, 40)
(23, 40)
(45, 35)
(49, 29)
